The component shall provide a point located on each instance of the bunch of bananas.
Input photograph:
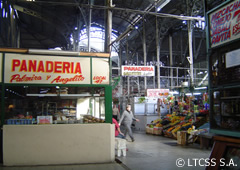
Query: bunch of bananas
(176, 129)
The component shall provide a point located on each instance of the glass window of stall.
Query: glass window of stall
(54, 104)
(225, 90)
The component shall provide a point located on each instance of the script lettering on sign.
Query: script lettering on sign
(225, 24)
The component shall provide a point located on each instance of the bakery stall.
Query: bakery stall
(54, 106)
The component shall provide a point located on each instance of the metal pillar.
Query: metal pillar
(171, 61)
(9, 28)
(177, 76)
(144, 53)
(108, 27)
(128, 78)
(127, 56)
(78, 32)
(154, 75)
(190, 58)
(89, 25)
(12, 28)
(120, 73)
(18, 38)
(76, 35)
(158, 54)
(138, 84)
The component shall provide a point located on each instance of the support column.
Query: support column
(108, 27)
(108, 104)
(171, 61)
(158, 55)
(128, 78)
(154, 74)
(144, 53)
(12, 28)
(76, 35)
(138, 84)
(121, 79)
(18, 38)
(89, 25)
(190, 58)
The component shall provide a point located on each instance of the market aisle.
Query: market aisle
(150, 152)
(107, 166)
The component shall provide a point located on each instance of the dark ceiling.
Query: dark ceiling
(48, 24)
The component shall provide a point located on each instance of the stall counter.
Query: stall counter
(58, 144)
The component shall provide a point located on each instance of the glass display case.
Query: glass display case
(225, 91)
(64, 104)
(226, 109)
(225, 67)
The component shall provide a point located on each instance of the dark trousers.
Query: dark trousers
(115, 117)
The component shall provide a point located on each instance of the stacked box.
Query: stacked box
(19, 121)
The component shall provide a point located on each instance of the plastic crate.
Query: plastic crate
(157, 130)
(19, 121)
(149, 130)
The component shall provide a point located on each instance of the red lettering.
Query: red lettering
(78, 69)
(14, 77)
(40, 67)
(57, 67)
(24, 78)
(59, 79)
(49, 66)
(32, 65)
(46, 66)
(99, 79)
(23, 66)
(66, 67)
(15, 63)
(71, 67)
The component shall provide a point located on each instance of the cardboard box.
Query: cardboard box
(44, 119)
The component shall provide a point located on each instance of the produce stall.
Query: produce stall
(184, 118)
(51, 95)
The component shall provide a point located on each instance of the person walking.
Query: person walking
(127, 118)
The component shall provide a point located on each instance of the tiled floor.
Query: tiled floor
(148, 152)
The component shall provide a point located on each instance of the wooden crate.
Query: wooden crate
(182, 137)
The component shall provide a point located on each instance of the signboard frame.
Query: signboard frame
(45, 69)
(223, 24)
(138, 71)
(1, 61)
(157, 92)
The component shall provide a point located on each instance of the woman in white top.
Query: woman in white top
(115, 112)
